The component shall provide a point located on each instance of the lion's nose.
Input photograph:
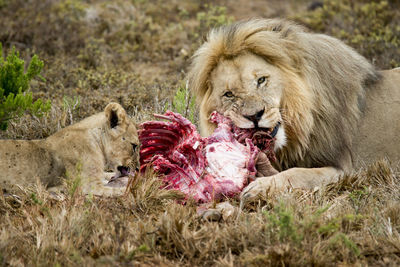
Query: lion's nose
(255, 118)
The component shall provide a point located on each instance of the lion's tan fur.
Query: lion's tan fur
(86, 149)
(325, 86)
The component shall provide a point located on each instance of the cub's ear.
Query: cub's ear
(116, 115)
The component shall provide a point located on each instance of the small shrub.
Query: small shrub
(281, 222)
(70, 105)
(358, 198)
(74, 180)
(214, 16)
(14, 83)
(184, 103)
(342, 239)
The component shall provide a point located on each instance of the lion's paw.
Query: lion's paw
(211, 215)
(261, 188)
(223, 210)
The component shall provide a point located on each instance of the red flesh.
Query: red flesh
(203, 168)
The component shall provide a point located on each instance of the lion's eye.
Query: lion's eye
(228, 94)
(261, 80)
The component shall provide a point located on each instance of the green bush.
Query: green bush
(14, 83)
(184, 103)
(212, 17)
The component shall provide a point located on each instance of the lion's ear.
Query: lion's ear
(116, 115)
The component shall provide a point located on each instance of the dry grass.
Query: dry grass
(355, 221)
(136, 53)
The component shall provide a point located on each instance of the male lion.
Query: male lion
(105, 141)
(330, 109)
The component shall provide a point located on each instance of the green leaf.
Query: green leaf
(15, 99)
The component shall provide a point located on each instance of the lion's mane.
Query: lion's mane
(325, 92)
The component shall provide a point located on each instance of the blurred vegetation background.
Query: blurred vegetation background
(137, 52)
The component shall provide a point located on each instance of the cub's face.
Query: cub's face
(248, 90)
(121, 139)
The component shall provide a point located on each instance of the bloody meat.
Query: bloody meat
(205, 169)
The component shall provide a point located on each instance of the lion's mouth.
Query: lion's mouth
(124, 171)
(256, 133)
(121, 178)
(263, 138)
(120, 172)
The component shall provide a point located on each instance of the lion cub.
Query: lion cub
(102, 142)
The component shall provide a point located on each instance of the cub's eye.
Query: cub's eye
(123, 138)
(261, 80)
(228, 94)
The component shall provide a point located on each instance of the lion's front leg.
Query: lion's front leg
(300, 178)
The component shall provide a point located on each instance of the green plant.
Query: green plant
(341, 238)
(14, 84)
(70, 104)
(184, 103)
(2, 4)
(74, 180)
(358, 198)
(329, 228)
(214, 16)
(281, 221)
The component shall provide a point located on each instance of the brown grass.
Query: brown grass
(355, 221)
(136, 53)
